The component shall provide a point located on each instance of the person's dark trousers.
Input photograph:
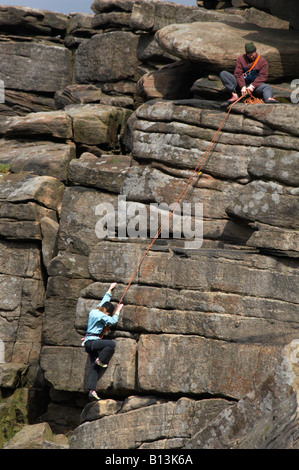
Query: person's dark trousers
(103, 349)
(230, 82)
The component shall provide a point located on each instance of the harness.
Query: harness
(253, 65)
(88, 334)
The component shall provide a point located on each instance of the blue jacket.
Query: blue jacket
(98, 320)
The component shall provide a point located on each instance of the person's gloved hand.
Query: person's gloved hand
(243, 90)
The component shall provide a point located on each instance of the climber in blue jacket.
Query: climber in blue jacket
(100, 350)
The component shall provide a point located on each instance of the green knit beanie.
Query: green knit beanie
(250, 47)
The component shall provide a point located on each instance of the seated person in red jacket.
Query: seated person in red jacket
(251, 74)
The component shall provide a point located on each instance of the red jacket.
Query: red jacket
(260, 71)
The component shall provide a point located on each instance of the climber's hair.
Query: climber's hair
(109, 307)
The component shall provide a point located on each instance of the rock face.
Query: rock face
(204, 43)
(94, 149)
(283, 9)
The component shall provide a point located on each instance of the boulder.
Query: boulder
(149, 52)
(264, 20)
(169, 82)
(51, 124)
(178, 134)
(155, 15)
(208, 87)
(161, 424)
(77, 94)
(265, 418)
(218, 48)
(285, 9)
(97, 410)
(97, 124)
(37, 436)
(17, 408)
(23, 221)
(32, 20)
(19, 103)
(106, 57)
(135, 402)
(108, 172)
(80, 24)
(111, 18)
(38, 157)
(12, 375)
(278, 241)
(110, 5)
(21, 188)
(45, 68)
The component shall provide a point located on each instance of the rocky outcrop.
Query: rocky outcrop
(283, 9)
(204, 43)
(206, 346)
(37, 436)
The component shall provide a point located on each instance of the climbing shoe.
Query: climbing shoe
(93, 394)
(99, 363)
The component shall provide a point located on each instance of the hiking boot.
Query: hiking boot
(100, 363)
(93, 394)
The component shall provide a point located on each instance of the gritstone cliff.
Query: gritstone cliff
(125, 102)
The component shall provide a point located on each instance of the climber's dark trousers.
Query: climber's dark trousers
(103, 349)
(230, 82)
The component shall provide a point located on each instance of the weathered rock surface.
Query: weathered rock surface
(86, 167)
(283, 9)
(45, 68)
(23, 296)
(155, 15)
(256, 413)
(109, 56)
(203, 42)
(169, 82)
(37, 436)
(54, 124)
(43, 158)
(32, 20)
(98, 124)
(156, 422)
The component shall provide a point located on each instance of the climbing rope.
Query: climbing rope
(189, 184)
(196, 173)
(279, 88)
